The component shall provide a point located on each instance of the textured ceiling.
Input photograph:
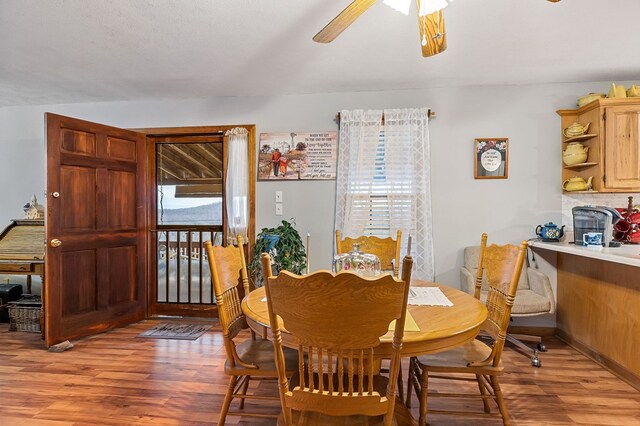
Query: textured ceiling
(60, 51)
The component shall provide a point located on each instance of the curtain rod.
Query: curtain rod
(430, 114)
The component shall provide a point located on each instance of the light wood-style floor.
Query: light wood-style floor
(117, 379)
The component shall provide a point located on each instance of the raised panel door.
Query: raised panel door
(95, 226)
(622, 147)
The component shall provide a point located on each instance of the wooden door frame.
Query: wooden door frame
(151, 194)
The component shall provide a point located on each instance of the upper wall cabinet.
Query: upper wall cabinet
(611, 143)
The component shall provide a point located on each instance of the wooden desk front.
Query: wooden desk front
(441, 327)
(22, 245)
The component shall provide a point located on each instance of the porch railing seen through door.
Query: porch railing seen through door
(183, 274)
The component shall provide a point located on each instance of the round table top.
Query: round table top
(441, 327)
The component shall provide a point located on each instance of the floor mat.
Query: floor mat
(176, 331)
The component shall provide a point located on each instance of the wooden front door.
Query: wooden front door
(95, 226)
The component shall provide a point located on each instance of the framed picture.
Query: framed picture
(491, 158)
(298, 156)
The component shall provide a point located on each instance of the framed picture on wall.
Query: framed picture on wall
(298, 156)
(491, 158)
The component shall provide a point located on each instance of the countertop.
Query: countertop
(628, 254)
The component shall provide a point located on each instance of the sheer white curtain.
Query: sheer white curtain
(359, 140)
(383, 180)
(237, 183)
(407, 170)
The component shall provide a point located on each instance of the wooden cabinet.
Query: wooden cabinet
(613, 140)
(622, 147)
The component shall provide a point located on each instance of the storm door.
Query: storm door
(188, 210)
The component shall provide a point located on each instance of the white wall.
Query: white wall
(463, 208)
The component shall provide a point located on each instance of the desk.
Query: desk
(22, 245)
(441, 327)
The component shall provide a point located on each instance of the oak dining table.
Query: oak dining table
(440, 327)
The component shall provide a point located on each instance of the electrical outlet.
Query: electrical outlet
(278, 209)
(278, 196)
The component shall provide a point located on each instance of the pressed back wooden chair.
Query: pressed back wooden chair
(502, 265)
(387, 249)
(336, 321)
(251, 358)
(533, 297)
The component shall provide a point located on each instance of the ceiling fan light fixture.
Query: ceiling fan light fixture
(427, 7)
(401, 6)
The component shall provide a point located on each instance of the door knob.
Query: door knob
(55, 194)
(55, 243)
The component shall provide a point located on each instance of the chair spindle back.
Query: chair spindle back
(228, 269)
(502, 266)
(337, 321)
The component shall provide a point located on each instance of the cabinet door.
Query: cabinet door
(622, 147)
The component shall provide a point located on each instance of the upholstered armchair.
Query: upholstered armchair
(533, 297)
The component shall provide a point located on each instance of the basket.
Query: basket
(24, 315)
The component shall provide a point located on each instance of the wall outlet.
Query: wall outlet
(278, 196)
(278, 209)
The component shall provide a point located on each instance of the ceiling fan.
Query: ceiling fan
(430, 22)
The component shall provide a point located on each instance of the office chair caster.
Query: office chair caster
(541, 347)
(535, 361)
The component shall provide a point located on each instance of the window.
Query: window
(370, 200)
(382, 179)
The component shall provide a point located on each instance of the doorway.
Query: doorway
(186, 204)
(103, 238)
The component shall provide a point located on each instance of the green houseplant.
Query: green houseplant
(284, 245)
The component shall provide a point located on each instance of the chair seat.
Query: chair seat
(260, 353)
(527, 302)
(401, 417)
(457, 359)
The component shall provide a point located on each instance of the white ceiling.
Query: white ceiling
(61, 51)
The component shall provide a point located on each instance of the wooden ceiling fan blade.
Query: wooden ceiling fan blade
(432, 33)
(343, 20)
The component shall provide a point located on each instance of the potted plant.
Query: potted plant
(285, 247)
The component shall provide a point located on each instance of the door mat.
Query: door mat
(176, 331)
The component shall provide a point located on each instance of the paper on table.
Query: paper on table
(428, 296)
(264, 299)
(409, 324)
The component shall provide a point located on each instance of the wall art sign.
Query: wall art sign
(491, 158)
(297, 156)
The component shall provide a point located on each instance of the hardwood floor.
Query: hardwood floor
(117, 379)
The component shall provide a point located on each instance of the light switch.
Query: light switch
(278, 209)
(278, 196)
